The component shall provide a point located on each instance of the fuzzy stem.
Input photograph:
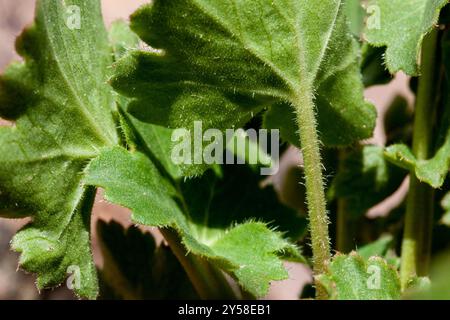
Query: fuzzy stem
(315, 194)
(209, 282)
(419, 206)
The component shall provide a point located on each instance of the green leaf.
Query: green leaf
(366, 179)
(351, 277)
(122, 39)
(401, 26)
(158, 141)
(223, 63)
(134, 267)
(372, 66)
(378, 248)
(355, 15)
(432, 171)
(147, 136)
(373, 69)
(437, 287)
(215, 217)
(62, 108)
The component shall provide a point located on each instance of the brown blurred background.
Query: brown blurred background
(15, 284)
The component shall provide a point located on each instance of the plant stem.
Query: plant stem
(315, 193)
(209, 282)
(419, 206)
(344, 227)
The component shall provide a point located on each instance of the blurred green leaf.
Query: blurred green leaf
(378, 248)
(355, 15)
(365, 180)
(398, 121)
(134, 267)
(217, 218)
(435, 169)
(373, 69)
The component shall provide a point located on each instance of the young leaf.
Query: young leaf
(401, 26)
(204, 213)
(62, 108)
(351, 277)
(134, 267)
(433, 170)
(365, 180)
(223, 63)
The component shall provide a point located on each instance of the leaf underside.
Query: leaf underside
(401, 26)
(62, 110)
(223, 63)
(351, 277)
(213, 215)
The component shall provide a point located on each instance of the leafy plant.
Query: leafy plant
(92, 108)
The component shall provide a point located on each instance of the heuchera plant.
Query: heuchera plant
(94, 108)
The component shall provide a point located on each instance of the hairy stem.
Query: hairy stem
(208, 281)
(419, 206)
(315, 194)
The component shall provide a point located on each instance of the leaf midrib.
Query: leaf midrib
(75, 95)
(305, 82)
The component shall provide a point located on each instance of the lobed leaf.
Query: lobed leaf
(223, 63)
(432, 171)
(435, 169)
(351, 277)
(401, 25)
(63, 114)
(212, 216)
